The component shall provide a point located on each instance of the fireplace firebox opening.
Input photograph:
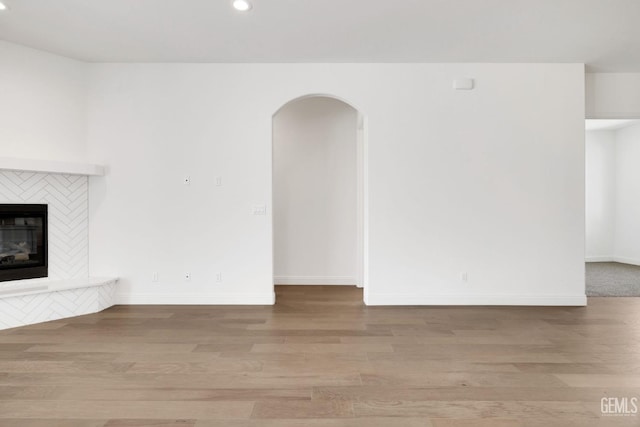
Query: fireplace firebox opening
(23, 241)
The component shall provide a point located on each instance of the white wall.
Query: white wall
(42, 105)
(627, 203)
(613, 95)
(617, 96)
(612, 189)
(489, 181)
(315, 192)
(600, 194)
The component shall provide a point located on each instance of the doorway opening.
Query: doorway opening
(612, 185)
(319, 193)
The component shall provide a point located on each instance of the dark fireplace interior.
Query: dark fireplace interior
(23, 241)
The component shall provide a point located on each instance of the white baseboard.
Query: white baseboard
(372, 299)
(530, 300)
(196, 299)
(625, 260)
(613, 258)
(315, 280)
(599, 259)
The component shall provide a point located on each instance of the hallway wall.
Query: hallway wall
(314, 192)
(627, 206)
(612, 188)
(600, 194)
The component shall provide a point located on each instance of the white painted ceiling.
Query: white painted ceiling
(605, 34)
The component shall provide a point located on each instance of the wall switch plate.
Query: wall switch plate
(259, 210)
(464, 276)
(218, 181)
(187, 180)
(218, 277)
(187, 276)
(154, 277)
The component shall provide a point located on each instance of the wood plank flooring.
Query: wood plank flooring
(320, 358)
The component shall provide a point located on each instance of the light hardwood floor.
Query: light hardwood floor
(320, 358)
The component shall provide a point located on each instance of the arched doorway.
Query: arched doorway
(319, 193)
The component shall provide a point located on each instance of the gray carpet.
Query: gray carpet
(612, 279)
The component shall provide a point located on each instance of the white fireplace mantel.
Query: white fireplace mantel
(51, 166)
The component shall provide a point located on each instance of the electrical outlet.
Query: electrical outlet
(259, 210)
(218, 277)
(464, 276)
(154, 277)
(218, 181)
(187, 276)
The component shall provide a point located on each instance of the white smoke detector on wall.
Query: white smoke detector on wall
(463, 84)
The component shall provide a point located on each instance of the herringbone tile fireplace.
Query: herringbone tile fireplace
(67, 198)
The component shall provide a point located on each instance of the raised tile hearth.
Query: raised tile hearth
(25, 302)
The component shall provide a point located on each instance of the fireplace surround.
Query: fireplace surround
(23, 241)
(58, 194)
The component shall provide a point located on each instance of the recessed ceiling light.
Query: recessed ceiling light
(3, 6)
(241, 5)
